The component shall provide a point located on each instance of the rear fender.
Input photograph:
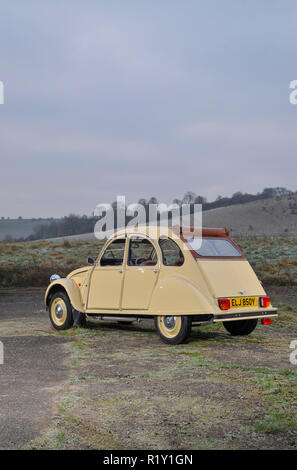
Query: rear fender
(178, 295)
(71, 289)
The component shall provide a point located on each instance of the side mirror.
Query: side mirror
(90, 260)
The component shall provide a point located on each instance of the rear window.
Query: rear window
(214, 247)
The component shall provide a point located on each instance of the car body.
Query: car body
(142, 273)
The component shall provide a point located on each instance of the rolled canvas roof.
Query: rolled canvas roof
(206, 232)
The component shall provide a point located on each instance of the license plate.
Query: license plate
(239, 302)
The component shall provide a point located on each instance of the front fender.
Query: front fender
(178, 295)
(71, 289)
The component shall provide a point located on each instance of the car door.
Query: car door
(141, 273)
(106, 281)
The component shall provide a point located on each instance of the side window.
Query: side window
(114, 253)
(141, 252)
(171, 253)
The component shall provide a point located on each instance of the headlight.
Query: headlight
(54, 277)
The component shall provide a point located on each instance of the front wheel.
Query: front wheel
(173, 329)
(240, 327)
(60, 311)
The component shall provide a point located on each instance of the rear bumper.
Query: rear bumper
(244, 315)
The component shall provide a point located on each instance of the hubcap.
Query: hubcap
(169, 326)
(59, 311)
(169, 322)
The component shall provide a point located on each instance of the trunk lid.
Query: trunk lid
(230, 278)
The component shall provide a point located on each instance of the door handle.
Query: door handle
(120, 271)
(155, 271)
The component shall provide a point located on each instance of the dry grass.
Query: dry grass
(31, 263)
(273, 258)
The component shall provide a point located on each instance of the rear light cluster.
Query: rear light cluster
(264, 302)
(224, 304)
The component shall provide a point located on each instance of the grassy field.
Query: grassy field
(31, 263)
(273, 259)
(122, 388)
(191, 396)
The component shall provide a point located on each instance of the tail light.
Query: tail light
(264, 302)
(266, 321)
(224, 304)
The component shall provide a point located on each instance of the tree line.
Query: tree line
(75, 224)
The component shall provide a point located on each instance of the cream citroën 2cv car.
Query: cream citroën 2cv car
(174, 279)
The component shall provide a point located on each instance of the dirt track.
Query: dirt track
(120, 387)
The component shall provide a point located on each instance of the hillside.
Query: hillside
(19, 228)
(274, 216)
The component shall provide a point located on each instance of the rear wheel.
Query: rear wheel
(240, 327)
(173, 329)
(60, 311)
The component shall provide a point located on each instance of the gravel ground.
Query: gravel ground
(113, 386)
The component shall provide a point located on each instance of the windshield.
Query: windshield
(212, 247)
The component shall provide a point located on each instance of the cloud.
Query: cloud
(142, 99)
(35, 141)
(256, 133)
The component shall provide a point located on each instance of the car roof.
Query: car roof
(155, 231)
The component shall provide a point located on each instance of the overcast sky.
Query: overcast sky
(144, 98)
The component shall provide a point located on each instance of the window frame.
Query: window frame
(200, 257)
(132, 236)
(171, 265)
(105, 247)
